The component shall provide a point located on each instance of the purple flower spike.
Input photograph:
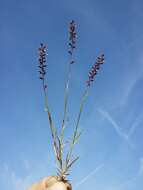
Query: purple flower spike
(95, 68)
(42, 61)
(72, 39)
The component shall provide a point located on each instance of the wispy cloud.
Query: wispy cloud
(117, 128)
(124, 184)
(19, 183)
(27, 164)
(95, 171)
(14, 181)
(5, 167)
(135, 75)
(132, 82)
(131, 180)
(135, 124)
(141, 167)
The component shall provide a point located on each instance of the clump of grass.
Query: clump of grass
(63, 159)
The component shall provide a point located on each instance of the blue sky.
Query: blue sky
(110, 150)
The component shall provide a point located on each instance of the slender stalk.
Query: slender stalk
(76, 134)
(72, 37)
(61, 136)
(66, 101)
(65, 110)
(52, 128)
(63, 165)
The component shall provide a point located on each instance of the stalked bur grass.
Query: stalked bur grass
(72, 46)
(42, 70)
(63, 159)
(77, 134)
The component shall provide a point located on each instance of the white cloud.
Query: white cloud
(141, 167)
(13, 181)
(95, 171)
(16, 181)
(135, 124)
(117, 128)
(131, 180)
(27, 164)
(132, 82)
(5, 167)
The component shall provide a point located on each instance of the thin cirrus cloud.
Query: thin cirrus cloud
(12, 180)
(131, 180)
(126, 137)
(27, 164)
(117, 128)
(134, 126)
(91, 174)
(141, 167)
(132, 82)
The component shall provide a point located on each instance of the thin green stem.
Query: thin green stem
(66, 102)
(76, 134)
(66, 97)
(52, 128)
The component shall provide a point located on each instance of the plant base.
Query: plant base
(51, 183)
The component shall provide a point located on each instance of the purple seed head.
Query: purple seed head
(72, 38)
(95, 68)
(42, 60)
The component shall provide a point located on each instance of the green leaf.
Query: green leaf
(72, 162)
(77, 137)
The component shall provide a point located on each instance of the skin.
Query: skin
(51, 183)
